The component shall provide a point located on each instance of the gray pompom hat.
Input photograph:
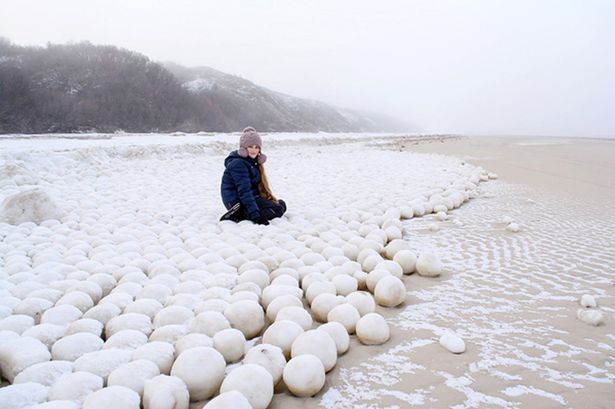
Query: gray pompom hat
(250, 137)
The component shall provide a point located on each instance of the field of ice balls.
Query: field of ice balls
(119, 287)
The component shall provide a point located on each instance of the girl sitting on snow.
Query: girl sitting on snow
(245, 190)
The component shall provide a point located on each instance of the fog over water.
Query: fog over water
(482, 66)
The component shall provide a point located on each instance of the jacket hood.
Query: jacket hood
(235, 156)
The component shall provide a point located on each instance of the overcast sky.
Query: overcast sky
(482, 66)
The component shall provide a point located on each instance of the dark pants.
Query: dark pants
(269, 210)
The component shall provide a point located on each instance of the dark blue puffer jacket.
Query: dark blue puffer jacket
(240, 183)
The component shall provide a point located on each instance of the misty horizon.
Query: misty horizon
(533, 68)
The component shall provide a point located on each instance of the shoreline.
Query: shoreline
(569, 166)
(527, 284)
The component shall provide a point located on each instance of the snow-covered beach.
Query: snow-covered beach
(142, 211)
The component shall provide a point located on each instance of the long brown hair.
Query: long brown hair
(263, 188)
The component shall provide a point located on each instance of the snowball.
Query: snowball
(22, 395)
(155, 291)
(372, 329)
(251, 287)
(230, 343)
(373, 277)
(406, 260)
(211, 305)
(85, 325)
(75, 386)
(428, 265)
(48, 334)
(339, 334)
(362, 301)
(20, 353)
(61, 315)
(127, 287)
(253, 265)
(5, 311)
(286, 279)
(209, 323)
(201, 369)
(322, 304)
(160, 353)
(345, 314)
(390, 292)
(173, 315)
(452, 343)
(244, 295)
(273, 291)
(318, 343)
(311, 278)
(133, 375)
(440, 208)
(371, 262)
(296, 314)
(191, 341)
(73, 346)
(365, 253)
(591, 317)
(102, 362)
(169, 333)
(394, 247)
(269, 357)
(145, 306)
(32, 205)
(77, 299)
(282, 334)
(106, 282)
(165, 392)
(407, 212)
(304, 375)
(45, 373)
(103, 312)
(6, 336)
(588, 301)
(116, 397)
(16, 323)
(390, 266)
(345, 284)
(126, 339)
(280, 302)
(319, 287)
(92, 289)
(120, 299)
(230, 399)
(253, 381)
(350, 250)
(130, 320)
(513, 227)
(393, 233)
(247, 316)
(32, 306)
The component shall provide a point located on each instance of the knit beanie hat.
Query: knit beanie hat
(250, 137)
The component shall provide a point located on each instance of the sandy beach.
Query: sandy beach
(513, 297)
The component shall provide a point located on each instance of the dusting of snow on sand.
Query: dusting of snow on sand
(124, 268)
